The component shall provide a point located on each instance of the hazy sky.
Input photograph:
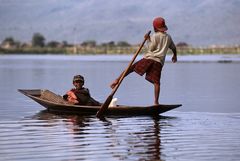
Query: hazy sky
(197, 22)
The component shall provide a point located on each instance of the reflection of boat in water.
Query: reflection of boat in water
(141, 137)
(55, 103)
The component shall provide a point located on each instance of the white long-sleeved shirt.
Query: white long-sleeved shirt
(158, 45)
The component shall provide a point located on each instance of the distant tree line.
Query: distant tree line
(38, 45)
(38, 40)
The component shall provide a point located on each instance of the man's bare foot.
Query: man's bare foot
(156, 103)
(114, 83)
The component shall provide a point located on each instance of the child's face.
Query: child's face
(78, 84)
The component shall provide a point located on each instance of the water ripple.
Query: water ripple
(182, 137)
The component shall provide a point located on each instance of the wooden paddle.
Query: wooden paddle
(105, 105)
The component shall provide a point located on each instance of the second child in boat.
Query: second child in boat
(80, 95)
(152, 62)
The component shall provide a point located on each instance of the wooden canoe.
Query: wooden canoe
(55, 103)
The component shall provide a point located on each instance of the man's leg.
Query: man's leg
(156, 93)
(141, 66)
(117, 80)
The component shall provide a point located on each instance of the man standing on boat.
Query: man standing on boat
(152, 62)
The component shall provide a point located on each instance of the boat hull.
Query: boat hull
(65, 108)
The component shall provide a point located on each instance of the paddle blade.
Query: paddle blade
(104, 106)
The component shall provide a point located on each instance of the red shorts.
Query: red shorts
(152, 69)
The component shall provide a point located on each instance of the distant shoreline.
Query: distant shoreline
(116, 50)
(220, 58)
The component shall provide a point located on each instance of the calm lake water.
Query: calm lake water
(206, 127)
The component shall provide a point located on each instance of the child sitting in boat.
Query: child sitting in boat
(80, 95)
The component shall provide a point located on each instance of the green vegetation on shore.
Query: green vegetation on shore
(38, 46)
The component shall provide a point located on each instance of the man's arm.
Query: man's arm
(174, 58)
(174, 50)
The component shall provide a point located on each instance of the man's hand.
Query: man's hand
(174, 59)
(147, 37)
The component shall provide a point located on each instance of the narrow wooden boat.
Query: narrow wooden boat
(55, 103)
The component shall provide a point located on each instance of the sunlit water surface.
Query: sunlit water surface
(206, 127)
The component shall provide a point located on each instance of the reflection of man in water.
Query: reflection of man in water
(80, 95)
